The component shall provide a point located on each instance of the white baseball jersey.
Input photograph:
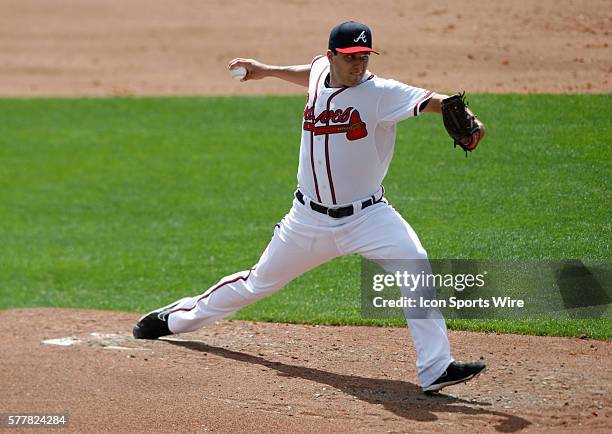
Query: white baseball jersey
(348, 134)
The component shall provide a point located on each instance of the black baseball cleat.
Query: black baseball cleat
(456, 373)
(154, 324)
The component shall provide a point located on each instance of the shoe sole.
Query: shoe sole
(440, 386)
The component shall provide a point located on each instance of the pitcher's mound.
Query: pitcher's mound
(260, 377)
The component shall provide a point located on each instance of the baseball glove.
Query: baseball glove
(461, 125)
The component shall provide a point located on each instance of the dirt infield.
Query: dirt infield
(166, 47)
(255, 377)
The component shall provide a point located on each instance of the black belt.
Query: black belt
(336, 213)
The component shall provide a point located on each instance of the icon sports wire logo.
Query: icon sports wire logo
(487, 288)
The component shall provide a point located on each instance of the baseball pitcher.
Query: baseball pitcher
(339, 208)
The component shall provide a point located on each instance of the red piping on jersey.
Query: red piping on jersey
(315, 59)
(213, 290)
(421, 101)
(329, 174)
(312, 163)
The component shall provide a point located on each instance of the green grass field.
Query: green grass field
(127, 204)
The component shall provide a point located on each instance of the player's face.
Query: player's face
(348, 69)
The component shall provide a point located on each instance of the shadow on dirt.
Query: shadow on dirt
(400, 397)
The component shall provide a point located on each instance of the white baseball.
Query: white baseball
(238, 73)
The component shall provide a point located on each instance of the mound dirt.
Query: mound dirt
(241, 376)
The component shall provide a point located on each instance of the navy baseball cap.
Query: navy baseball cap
(351, 37)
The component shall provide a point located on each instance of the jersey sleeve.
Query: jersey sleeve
(400, 101)
(315, 59)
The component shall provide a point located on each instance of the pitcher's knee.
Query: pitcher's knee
(264, 281)
(260, 288)
(409, 250)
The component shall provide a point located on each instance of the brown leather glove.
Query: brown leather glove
(461, 125)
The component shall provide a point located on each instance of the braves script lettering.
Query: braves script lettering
(346, 121)
(336, 116)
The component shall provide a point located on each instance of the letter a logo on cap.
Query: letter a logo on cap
(361, 37)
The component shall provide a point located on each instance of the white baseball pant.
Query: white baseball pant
(305, 239)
